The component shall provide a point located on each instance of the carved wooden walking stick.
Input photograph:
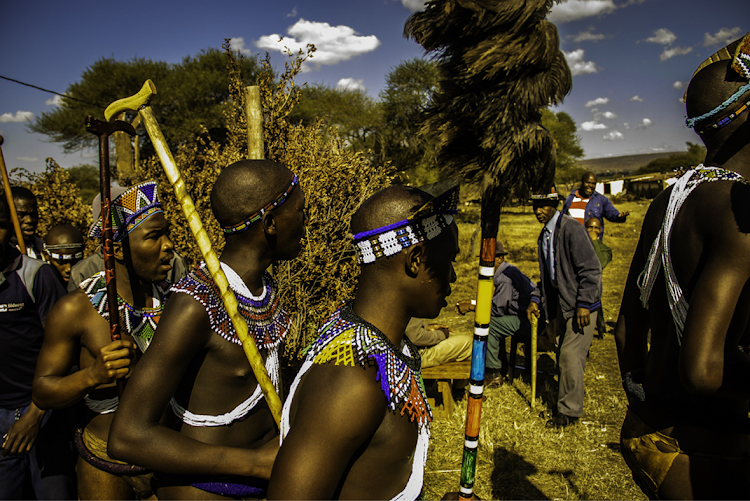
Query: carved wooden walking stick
(103, 130)
(140, 103)
(11, 203)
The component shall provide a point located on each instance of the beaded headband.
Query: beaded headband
(65, 256)
(426, 223)
(739, 52)
(552, 196)
(130, 209)
(254, 218)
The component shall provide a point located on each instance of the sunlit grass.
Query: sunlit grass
(518, 457)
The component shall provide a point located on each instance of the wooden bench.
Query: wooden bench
(445, 374)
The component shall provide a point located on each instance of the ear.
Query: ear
(415, 259)
(269, 223)
(118, 251)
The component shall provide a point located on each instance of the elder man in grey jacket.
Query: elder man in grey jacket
(571, 283)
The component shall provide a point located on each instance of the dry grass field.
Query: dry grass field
(518, 457)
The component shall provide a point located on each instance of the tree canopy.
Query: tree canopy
(695, 155)
(191, 93)
(569, 151)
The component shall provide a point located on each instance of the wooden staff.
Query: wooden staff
(534, 328)
(140, 102)
(104, 130)
(11, 203)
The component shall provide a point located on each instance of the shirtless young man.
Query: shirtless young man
(77, 333)
(687, 433)
(220, 439)
(356, 422)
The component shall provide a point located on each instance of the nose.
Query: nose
(167, 243)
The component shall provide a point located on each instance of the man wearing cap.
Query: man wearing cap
(685, 306)
(94, 263)
(571, 284)
(585, 202)
(77, 333)
(508, 316)
(63, 248)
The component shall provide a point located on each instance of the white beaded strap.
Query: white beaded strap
(106, 406)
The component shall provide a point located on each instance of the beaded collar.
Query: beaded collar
(267, 321)
(139, 323)
(346, 339)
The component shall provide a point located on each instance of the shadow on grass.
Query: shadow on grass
(510, 477)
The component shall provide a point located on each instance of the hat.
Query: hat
(550, 195)
(499, 251)
(129, 208)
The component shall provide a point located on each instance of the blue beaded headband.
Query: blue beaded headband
(257, 216)
(426, 223)
(691, 122)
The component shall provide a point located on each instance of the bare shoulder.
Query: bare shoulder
(184, 322)
(73, 309)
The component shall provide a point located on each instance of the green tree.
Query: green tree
(695, 155)
(408, 92)
(86, 177)
(351, 111)
(191, 94)
(569, 151)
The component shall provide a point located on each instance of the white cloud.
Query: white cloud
(293, 13)
(589, 126)
(674, 51)
(333, 43)
(662, 36)
(636, 98)
(613, 136)
(413, 5)
(19, 116)
(626, 125)
(237, 44)
(678, 85)
(587, 36)
(577, 65)
(27, 159)
(723, 36)
(609, 115)
(351, 84)
(54, 101)
(644, 123)
(596, 102)
(572, 10)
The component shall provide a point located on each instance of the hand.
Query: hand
(533, 309)
(112, 362)
(464, 306)
(440, 327)
(263, 458)
(583, 317)
(22, 434)
(625, 213)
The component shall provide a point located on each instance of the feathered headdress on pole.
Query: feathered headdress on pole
(499, 64)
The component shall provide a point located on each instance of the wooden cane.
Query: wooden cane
(11, 202)
(104, 130)
(140, 102)
(534, 328)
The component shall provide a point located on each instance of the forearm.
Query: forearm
(57, 392)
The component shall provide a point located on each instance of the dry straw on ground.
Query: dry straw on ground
(518, 457)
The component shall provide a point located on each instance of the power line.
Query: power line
(50, 91)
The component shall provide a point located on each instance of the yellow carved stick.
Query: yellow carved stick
(534, 325)
(140, 102)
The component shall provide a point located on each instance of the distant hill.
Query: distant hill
(624, 164)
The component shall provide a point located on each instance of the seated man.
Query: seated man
(78, 333)
(219, 438)
(685, 307)
(356, 423)
(63, 248)
(436, 345)
(508, 316)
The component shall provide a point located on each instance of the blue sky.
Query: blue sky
(630, 58)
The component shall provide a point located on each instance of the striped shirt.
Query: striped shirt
(578, 208)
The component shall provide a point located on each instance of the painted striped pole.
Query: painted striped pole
(485, 289)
